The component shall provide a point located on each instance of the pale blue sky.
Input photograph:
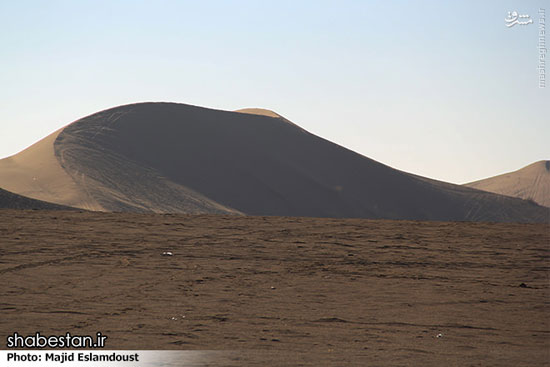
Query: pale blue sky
(440, 89)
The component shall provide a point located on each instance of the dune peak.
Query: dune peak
(260, 111)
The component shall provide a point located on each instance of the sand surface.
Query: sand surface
(36, 173)
(282, 291)
(531, 182)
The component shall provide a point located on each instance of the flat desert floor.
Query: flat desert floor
(282, 291)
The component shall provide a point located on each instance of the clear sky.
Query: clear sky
(442, 89)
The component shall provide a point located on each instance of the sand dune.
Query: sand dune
(167, 157)
(531, 182)
(9, 200)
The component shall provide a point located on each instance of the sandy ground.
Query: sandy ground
(282, 291)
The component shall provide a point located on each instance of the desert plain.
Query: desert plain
(279, 291)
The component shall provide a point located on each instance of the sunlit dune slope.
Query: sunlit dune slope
(531, 182)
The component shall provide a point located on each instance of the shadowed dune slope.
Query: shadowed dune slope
(168, 157)
(9, 200)
(531, 182)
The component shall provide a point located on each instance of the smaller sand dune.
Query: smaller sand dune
(9, 200)
(260, 111)
(268, 113)
(531, 183)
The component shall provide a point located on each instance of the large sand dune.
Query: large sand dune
(167, 157)
(531, 182)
